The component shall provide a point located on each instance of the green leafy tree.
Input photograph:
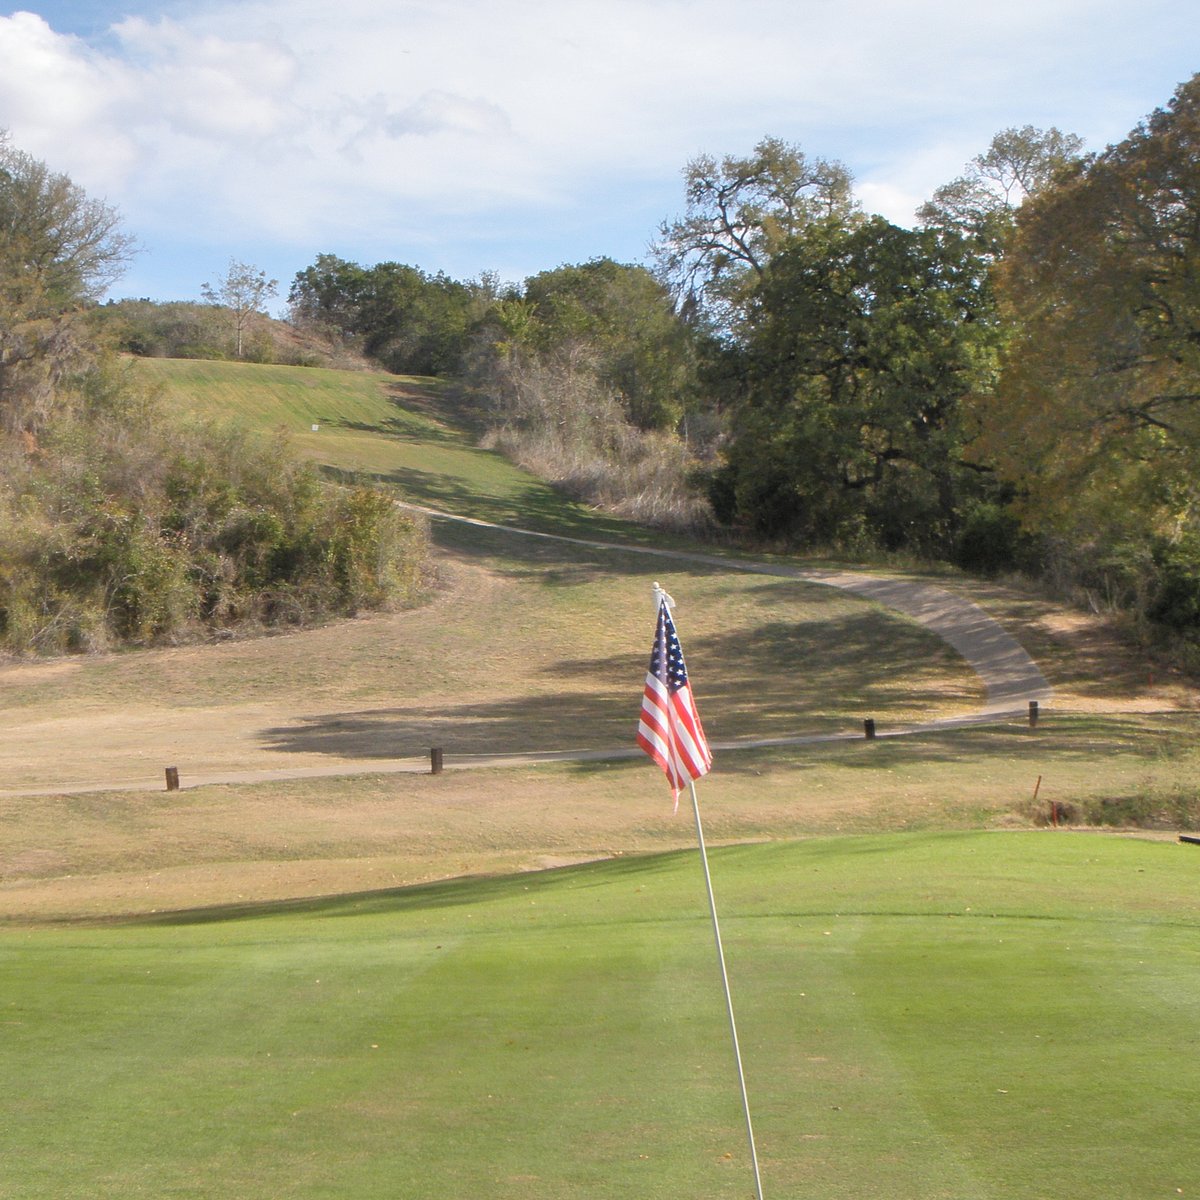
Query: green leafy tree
(626, 321)
(740, 212)
(327, 294)
(861, 344)
(411, 322)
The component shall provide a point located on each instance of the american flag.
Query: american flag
(669, 729)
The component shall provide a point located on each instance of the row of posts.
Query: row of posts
(435, 768)
(869, 723)
(436, 760)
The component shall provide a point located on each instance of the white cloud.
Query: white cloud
(393, 126)
(210, 87)
(62, 103)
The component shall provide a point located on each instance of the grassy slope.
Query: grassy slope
(922, 1016)
(412, 434)
(529, 645)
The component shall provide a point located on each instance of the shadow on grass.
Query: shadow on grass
(1087, 653)
(423, 897)
(552, 563)
(530, 505)
(441, 402)
(557, 721)
(403, 428)
(1062, 740)
(767, 686)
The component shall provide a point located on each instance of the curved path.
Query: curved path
(1011, 679)
(1009, 676)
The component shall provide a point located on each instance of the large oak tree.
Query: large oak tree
(861, 343)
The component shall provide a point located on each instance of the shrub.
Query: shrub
(989, 539)
(1150, 807)
(1175, 601)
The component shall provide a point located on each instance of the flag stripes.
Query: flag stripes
(669, 728)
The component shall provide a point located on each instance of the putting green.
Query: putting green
(947, 1015)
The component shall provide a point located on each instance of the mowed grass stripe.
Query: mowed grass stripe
(922, 1016)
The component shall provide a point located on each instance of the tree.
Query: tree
(59, 251)
(861, 344)
(625, 319)
(411, 322)
(1096, 419)
(327, 294)
(244, 291)
(1017, 164)
(740, 212)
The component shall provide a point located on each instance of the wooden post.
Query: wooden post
(435, 761)
(869, 729)
(1033, 714)
(172, 779)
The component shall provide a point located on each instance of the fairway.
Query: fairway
(416, 435)
(954, 1015)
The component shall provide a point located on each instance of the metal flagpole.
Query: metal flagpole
(737, 1053)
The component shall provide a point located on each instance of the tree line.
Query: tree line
(1010, 384)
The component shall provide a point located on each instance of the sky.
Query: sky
(512, 136)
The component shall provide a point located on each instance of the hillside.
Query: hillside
(417, 435)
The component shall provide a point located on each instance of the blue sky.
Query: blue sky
(515, 135)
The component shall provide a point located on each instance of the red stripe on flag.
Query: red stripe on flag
(670, 732)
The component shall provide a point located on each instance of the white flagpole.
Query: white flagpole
(737, 1054)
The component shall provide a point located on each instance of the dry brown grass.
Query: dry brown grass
(527, 645)
(534, 646)
(540, 652)
(126, 852)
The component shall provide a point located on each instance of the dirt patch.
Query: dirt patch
(551, 862)
(13, 673)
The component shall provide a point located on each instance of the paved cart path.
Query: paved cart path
(1010, 677)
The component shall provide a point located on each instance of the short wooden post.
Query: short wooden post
(1033, 714)
(172, 779)
(869, 729)
(435, 761)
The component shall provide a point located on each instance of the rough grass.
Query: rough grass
(531, 646)
(975, 1015)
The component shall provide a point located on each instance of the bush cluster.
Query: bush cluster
(120, 525)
